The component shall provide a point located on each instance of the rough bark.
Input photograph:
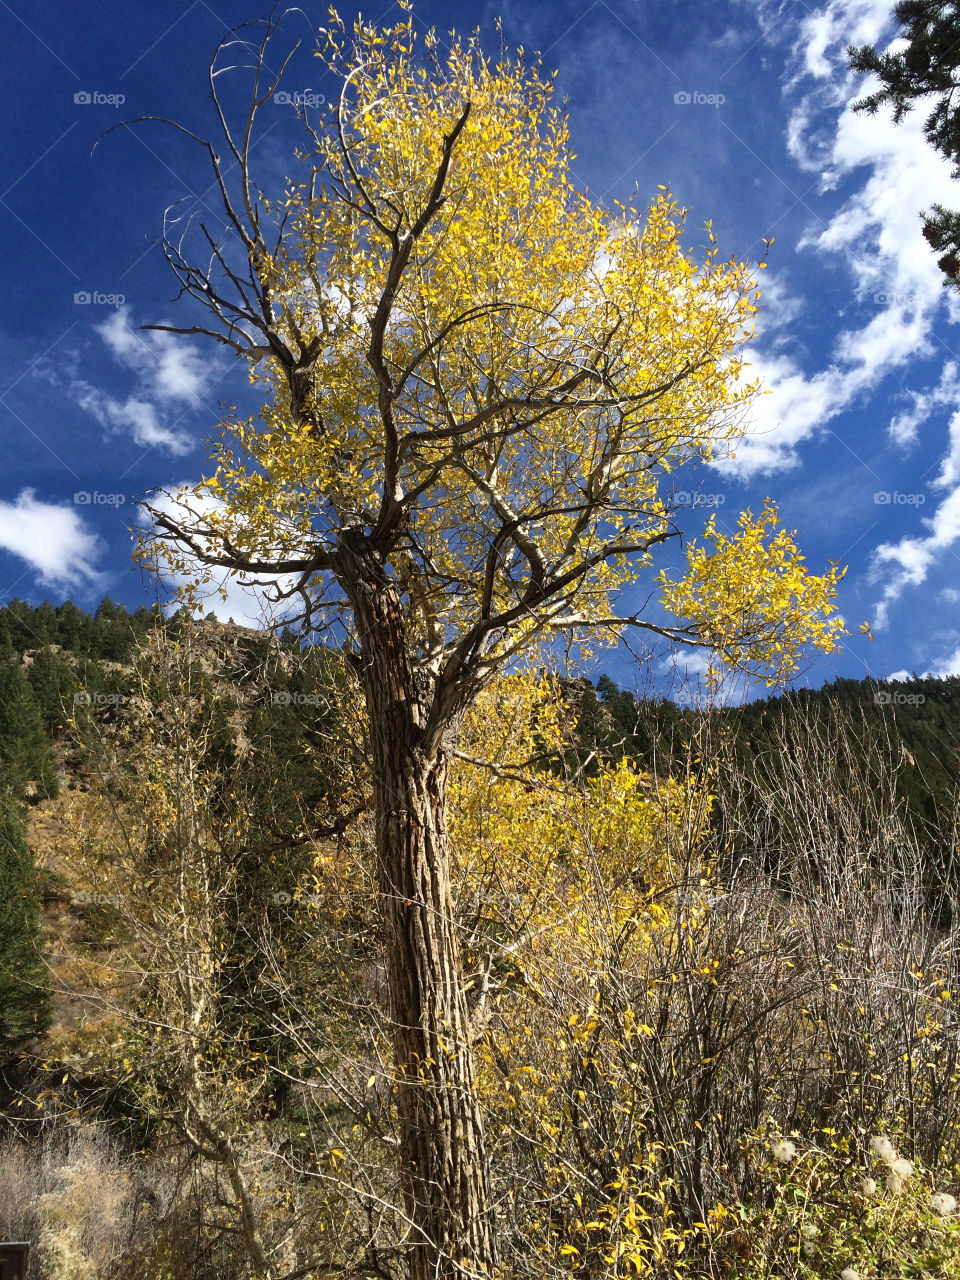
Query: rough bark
(443, 1159)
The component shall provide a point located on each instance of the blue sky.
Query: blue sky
(741, 107)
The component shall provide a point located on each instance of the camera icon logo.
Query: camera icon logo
(82, 98)
(681, 98)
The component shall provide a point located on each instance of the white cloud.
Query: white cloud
(795, 407)
(878, 229)
(908, 562)
(52, 539)
(826, 33)
(139, 417)
(778, 306)
(875, 232)
(950, 463)
(905, 426)
(171, 375)
(948, 666)
(169, 367)
(245, 604)
(895, 336)
(923, 404)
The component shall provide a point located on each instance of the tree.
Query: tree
(926, 68)
(24, 987)
(563, 880)
(52, 680)
(166, 825)
(25, 626)
(24, 750)
(475, 378)
(70, 626)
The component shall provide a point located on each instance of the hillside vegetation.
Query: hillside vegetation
(712, 960)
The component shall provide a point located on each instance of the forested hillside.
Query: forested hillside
(185, 860)
(901, 735)
(66, 674)
(49, 655)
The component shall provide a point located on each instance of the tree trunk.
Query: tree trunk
(443, 1159)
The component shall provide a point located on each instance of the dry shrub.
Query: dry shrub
(804, 992)
(79, 1203)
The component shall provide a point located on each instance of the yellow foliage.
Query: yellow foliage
(490, 373)
(543, 849)
(570, 877)
(750, 598)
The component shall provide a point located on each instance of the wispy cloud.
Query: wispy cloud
(874, 236)
(905, 426)
(139, 418)
(909, 561)
(795, 405)
(826, 32)
(170, 367)
(171, 375)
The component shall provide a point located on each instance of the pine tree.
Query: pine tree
(924, 69)
(53, 682)
(70, 619)
(24, 989)
(25, 629)
(24, 750)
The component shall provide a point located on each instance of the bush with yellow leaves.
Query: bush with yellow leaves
(564, 881)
